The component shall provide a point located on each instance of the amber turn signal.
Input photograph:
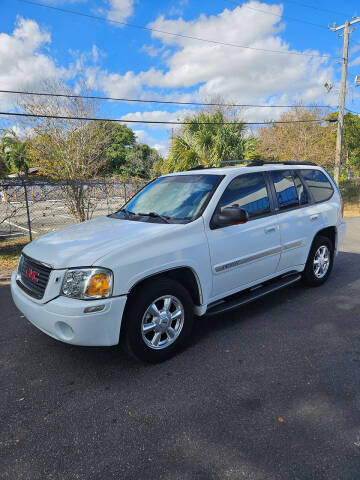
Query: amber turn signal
(99, 284)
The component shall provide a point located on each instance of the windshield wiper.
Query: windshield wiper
(155, 215)
(127, 212)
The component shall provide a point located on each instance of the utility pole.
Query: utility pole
(342, 97)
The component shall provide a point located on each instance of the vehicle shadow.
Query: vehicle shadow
(345, 272)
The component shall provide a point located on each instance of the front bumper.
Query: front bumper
(64, 319)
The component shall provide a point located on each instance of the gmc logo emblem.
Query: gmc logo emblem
(32, 274)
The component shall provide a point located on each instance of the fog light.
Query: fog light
(96, 308)
(64, 331)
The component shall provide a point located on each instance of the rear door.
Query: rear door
(245, 253)
(298, 217)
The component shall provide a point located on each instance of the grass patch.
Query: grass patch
(10, 250)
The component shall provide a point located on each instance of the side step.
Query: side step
(252, 294)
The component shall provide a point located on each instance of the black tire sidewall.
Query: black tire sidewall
(308, 276)
(140, 300)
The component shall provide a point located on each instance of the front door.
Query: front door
(246, 253)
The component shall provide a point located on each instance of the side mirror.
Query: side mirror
(230, 216)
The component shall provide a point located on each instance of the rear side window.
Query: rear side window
(301, 191)
(318, 184)
(249, 192)
(286, 191)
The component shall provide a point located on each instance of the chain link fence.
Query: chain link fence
(32, 207)
(350, 191)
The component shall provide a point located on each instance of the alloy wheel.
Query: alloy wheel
(321, 261)
(162, 322)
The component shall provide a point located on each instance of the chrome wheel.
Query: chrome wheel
(162, 322)
(321, 261)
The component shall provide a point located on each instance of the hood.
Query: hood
(82, 244)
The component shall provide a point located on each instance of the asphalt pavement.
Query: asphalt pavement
(269, 391)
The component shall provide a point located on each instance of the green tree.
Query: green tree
(3, 167)
(206, 138)
(251, 149)
(117, 140)
(140, 161)
(352, 141)
(14, 153)
(123, 155)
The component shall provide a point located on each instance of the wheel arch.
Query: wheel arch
(330, 233)
(184, 275)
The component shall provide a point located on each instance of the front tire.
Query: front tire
(319, 263)
(158, 320)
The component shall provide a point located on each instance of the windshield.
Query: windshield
(179, 198)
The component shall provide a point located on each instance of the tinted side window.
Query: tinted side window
(318, 184)
(249, 192)
(301, 191)
(286, 192)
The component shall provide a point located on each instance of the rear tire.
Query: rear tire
(319, 263)
(158, 320)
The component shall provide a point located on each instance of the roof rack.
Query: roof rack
(260, 163)
(250, 163)
(215, 164)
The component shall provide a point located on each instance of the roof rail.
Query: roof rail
(260, 163)
(215, 164)
(250, 163)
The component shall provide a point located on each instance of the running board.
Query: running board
(250, 295)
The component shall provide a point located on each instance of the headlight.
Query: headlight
(87, 283)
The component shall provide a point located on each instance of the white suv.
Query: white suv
(192, 243)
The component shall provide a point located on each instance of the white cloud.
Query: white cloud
(22, 63)
(158, 115)
(235, 74)
(162, 147)
(144, 137)
(355, 62)
(21, 131)
(355, 49)
(120, 10)
(151, 50)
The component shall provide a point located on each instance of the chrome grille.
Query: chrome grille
(33, 277)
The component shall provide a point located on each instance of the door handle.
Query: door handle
(270, 229)
(314, 217)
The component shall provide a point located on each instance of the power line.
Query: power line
(283, 17)
(142, 27)
(313, 7)
(352, 111)
(167, 102)
(162, 122)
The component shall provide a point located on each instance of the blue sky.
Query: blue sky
(38, 44)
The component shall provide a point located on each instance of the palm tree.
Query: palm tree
(209, 137)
